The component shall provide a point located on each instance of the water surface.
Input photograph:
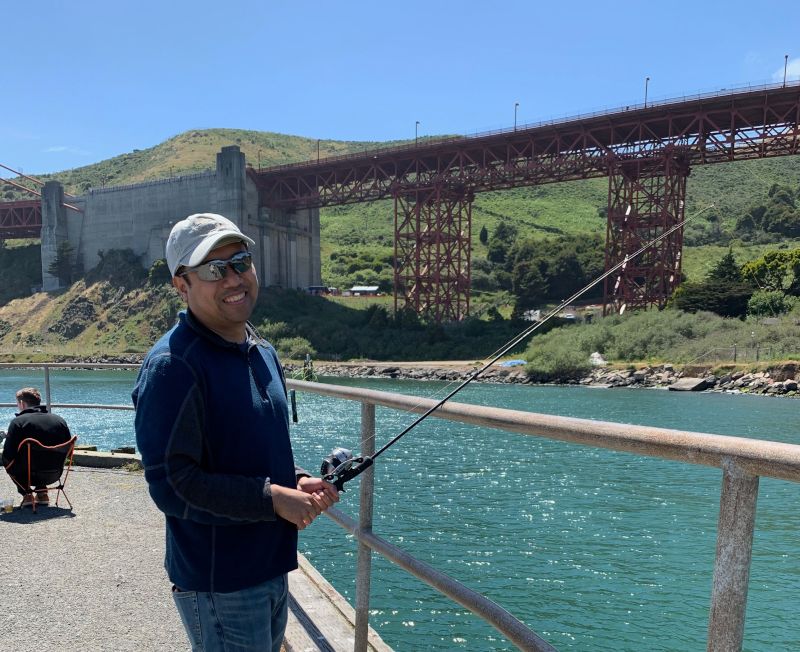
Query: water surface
(594, 550)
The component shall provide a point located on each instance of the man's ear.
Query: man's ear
(181, 285)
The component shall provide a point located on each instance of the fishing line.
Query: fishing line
(340, 466)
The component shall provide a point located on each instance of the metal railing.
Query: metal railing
(742, 354)
(47, 366)
(743, 461)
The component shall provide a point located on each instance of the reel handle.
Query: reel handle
(360, 464)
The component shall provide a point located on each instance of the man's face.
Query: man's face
(225, 305)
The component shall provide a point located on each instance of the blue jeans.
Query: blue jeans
(251, 620)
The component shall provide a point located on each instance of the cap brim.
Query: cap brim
(219, 239)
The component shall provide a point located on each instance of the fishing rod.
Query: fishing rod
(340, 466)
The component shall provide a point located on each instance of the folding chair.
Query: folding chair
(42, 466)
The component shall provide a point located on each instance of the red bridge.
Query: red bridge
(645, 151)
(20, 219)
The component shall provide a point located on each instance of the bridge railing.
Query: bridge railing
(743, 461)
(424, 142)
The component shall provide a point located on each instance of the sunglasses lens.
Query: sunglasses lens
(215, 270)
(241, 262)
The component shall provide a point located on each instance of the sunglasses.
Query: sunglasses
(215, 270)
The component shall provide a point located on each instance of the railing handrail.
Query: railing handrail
(742, 461)
(505, 622)
(69, 365)
(759, 457)
(90, 406)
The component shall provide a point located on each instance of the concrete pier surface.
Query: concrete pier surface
(94, 579)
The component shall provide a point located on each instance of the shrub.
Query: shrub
(768, 303)
(295, 348)
(721, 297)
(158, 274)
(557, 361)
(274, 331)
(120, 267)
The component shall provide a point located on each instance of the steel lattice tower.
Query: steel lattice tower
(645, 198)
(432, 251)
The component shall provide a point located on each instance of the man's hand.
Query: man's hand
(296, 506)
(325, 491)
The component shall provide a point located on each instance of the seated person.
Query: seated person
(35, 422)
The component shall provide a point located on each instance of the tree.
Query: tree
(775, 270)
(61, 267)
(778, 215)
(727, 269)
(500, 242)
(529, 286)
(483, 236)
(769, 303)
(158, 274)
(721, 297)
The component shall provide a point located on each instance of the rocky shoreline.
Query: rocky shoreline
(781, 380)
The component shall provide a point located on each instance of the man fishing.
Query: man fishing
(213, 430)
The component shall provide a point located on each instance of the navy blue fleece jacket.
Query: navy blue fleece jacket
(213, 431)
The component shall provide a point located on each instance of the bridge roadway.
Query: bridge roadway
(742, 124)
(748, 123)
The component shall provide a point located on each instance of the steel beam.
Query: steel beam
(432, 251)
(724, 127)
(645, 199)
(20, 219)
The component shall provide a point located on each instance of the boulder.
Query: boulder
(688, 384)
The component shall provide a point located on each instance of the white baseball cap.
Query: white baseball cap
(192, 238)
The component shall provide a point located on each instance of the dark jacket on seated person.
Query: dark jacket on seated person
(35, 423)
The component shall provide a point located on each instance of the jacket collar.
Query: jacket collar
(36, 409)
(189, 318)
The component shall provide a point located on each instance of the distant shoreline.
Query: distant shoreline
(782, 379)
(779, 381)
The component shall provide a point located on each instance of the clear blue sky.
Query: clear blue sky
(88, 80)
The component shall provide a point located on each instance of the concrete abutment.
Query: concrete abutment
(140, 216)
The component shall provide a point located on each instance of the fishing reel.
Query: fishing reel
(340, 466)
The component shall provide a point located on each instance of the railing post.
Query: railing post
(364, 561)
(737, 516)
(47, 387)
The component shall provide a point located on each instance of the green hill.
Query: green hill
(357, 240)
(195, 151)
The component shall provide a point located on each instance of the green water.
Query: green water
(594, 550)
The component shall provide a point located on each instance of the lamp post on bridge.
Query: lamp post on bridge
(516, 106)
(785, 63)
(646, 83)
(416, 133)
(259, 159)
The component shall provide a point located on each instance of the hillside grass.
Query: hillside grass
(366, 231)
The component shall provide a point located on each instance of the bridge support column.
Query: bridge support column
(231, 185)
(432, 251)
(645, 198)
(54, 231)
